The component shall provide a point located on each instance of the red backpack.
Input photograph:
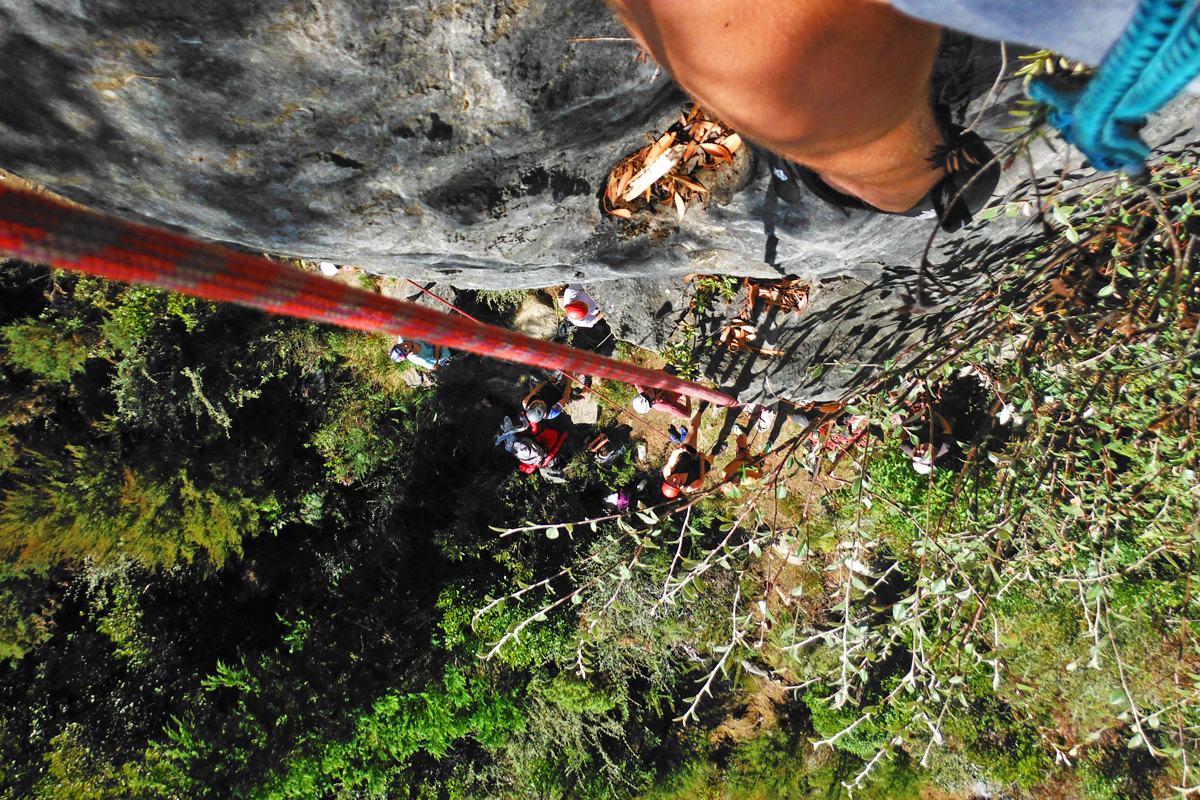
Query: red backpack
(551, 440)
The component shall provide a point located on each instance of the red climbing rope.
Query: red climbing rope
(621, 409)
(40, 229)
(442, 299)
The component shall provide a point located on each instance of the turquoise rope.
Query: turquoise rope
(1154, 59)
(1173, 68)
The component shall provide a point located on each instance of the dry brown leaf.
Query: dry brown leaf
(621, 212)
(690, 151)
(691, 184)
(680, 206)
(717, 151)
(1060, 288)
(623, 183)
(658, 148)
(732, 141)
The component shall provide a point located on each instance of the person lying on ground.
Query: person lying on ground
(580, 308)
(422, 354)
(509, 430)
(664, 400)
(839, 89)
(546, 401)
(687, 467)
(744, 469)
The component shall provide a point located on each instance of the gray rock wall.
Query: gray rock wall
(456, 141)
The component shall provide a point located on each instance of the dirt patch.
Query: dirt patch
(760, 714)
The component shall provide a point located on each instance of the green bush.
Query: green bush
(86, 505)
(40, 348)
(372, 762)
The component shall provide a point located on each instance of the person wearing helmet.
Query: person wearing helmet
(663, 400)
(579, 307)
(546, 402)
(744, 469)
(687, 467)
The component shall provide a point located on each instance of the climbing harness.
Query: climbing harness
(43, 230)
(1156, 56)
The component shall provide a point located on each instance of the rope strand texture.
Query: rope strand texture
(41, 230)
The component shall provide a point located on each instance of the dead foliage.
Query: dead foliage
(790, 295)
(664, 175)
(760, 713)
(736, 335)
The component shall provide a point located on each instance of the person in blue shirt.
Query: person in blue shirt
(422, 354)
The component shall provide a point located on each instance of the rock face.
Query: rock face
(435, 140)
(463, 142)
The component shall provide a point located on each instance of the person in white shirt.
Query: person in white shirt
(579, 307)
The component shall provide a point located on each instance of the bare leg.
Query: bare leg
(693, 429)
(840, 86)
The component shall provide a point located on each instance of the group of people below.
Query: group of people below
(537, 446)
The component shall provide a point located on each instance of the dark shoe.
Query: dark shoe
(972, 173)
(608, 454)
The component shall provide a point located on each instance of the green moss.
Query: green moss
(44, 350)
